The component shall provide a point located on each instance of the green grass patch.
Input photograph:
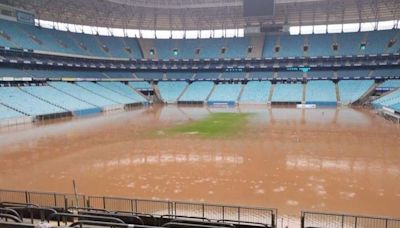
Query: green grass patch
(215, 125)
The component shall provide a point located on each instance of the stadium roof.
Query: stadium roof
(205, 14)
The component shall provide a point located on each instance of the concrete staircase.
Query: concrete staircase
(271, 92)
(337, 93)
(146, 45)
(183, 92)
(241, 92)
(211, 92)
(257, 42)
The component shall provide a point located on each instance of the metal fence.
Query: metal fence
(171, 208)
(331, 220)
(154, 207)
(44, 199)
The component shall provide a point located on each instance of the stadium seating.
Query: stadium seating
(321, 92)
(352, 90)
(290, 74)
(389, 100)
(320, 74)
(180, 75)
(83, 94)
(288, 93)
(236, 47)
(139, 85)
(356, 73)
(27, 104)
(349, 43)
(124, 90)
(70, 45)
(171, 90)
(269, 46)
(291, 46)
(225, 93)
(233, 75)
(377, 42)
(197, 92)
(149, 75)
(256, 92)
(106, 93)
(134, 47)
(118, 74)
(390, 84)
(7, 113)
(60, 99)
(64, 74)
(320, 45)
(31, 37)
(13, 72)
(114, 45)
(261, 75)
(386, 73)
(210, 48)
(207, 75)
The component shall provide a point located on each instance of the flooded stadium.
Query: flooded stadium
(292, 159)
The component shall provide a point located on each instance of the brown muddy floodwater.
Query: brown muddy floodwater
(339, 160)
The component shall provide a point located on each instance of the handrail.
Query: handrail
(112, 214)
(99, 218)
(188, 217)
(12, 217)
(240, 222)
(12, 212)
(108, 224)
(175, 224)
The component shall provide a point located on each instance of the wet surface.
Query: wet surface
(340, 160)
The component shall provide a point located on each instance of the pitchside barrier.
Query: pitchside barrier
(167, 209)
(331, 220)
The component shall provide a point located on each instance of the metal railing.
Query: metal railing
(332, 220)
(235, 214)
(210, 211)
(44, 199)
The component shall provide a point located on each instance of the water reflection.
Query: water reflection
(266, 114)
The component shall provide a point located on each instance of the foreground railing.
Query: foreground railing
(332, 220)
(236, 214)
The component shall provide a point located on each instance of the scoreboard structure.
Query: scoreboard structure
(259, 8)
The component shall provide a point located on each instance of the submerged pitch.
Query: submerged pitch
(215, 125)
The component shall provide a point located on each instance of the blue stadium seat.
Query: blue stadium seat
(286, 93)
(60, 99)
(320, 45)
(7, 113)
(234, 75)
(197, 92)
(140, 85)
(150, 75)
(171, 90)
(207, 75)
(321, 92)
(390, 84)
(180, 75)
(291, 46)
(256, 92)
(115, 46)
(83, 94)
(26, 103)
(106, 93)
(351, 90)
(320, 74)
(355, 73)
(125, 90)
(388, 100)
(225, 93)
